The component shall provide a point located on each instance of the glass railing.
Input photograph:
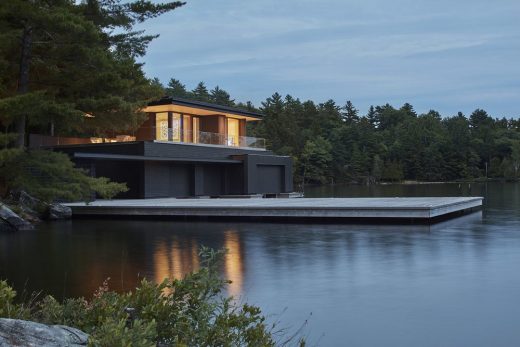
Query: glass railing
(152, 133)
(209, 138)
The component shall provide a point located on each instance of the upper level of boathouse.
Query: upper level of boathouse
(180, 121)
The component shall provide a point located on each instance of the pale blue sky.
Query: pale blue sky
(451, 56)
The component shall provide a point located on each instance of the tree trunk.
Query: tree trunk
(23, 82)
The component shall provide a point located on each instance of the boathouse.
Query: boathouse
(184, 148)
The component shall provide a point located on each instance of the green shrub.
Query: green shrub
(181, 312)
(50, 175)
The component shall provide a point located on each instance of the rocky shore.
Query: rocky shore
(21, 211)
(16, 332)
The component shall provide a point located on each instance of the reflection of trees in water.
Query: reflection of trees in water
(288, 247)
(75, 258)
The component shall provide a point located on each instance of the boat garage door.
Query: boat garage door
(270, 179)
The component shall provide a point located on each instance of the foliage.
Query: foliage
(64, 59)
(179, 312)
(315, 160)
(330, 143)
(69, 68)
(50, 175)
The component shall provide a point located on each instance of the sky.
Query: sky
(450, 56)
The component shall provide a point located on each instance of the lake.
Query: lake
(456, 283)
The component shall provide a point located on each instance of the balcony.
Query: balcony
(207, 138)
(155, 134)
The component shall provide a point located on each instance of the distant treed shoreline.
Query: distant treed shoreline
(336, 144)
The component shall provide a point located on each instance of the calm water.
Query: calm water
(452, 284)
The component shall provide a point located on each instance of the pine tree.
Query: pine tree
(221, 97)
(350, 113)
(69, 59)
(372, 116)
(200, 92)
(515, 157)
(63, 60)
(176, 89)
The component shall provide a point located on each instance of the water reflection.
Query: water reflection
(451, 283)
(175, 261)
(234, 266)
(173, 258)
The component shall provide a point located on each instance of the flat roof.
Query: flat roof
(168, 100)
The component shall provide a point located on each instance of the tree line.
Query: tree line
(333, 143)
(69, 68)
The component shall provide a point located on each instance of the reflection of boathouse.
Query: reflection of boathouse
(176, 258)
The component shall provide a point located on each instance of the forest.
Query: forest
(332, 143)
(75, 68)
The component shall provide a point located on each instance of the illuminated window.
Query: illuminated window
(176, 127)
(233, 126)
(196, 129)
(161, 126)
(186, 128)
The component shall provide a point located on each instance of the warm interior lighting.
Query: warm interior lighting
(176, 127)
(233, 263)
(233, 132)
(161, 126)
(196, 129)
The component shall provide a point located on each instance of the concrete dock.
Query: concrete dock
(420, 209)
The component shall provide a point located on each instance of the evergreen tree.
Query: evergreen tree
(515, 158)
(316, 159)
(66, 60)
(350, 113)
(176, 89)
(372, 116)
(221, 97)
(201, 93)
(377, 168)
(61, 61)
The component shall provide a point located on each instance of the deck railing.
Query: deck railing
(151, 133)
(209, 138)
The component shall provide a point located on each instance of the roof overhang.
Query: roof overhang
(198, 108)
(104, 156)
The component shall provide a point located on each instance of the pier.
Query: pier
(414, 209)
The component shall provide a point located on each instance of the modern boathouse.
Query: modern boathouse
(184, 149)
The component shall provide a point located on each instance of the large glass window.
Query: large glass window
(176, 127)
(195, 129)
(161, 126)
(233, 131)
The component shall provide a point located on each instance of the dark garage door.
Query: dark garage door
(270, 179)
(167, 180)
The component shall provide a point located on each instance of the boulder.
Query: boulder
(33, 209)
(13, 220)
(15, 332)
(58, 211)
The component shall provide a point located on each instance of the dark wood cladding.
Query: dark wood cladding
(192, 151)
(124, 148)
(210, 124)
(242, 129)
(146, 131)
(182, 170)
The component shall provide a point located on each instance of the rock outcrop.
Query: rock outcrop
(15, 332)
(13, 221)
(29, 211)
(58, 211)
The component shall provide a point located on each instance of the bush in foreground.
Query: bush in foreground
(181, 312)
